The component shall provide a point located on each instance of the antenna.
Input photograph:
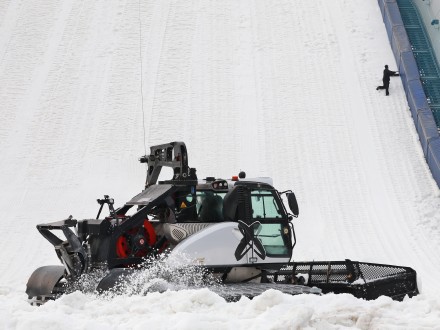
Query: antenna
(142, 75)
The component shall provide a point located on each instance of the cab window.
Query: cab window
(274, 239)
(264, 205)
(209, 206)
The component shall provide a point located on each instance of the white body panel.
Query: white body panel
(216, 246)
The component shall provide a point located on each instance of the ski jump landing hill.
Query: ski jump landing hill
(409, 71)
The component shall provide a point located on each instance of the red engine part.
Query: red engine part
(136, 242)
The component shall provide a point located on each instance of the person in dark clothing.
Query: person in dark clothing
(386, 79)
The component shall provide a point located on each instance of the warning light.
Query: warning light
(183, 205)
(235, 178)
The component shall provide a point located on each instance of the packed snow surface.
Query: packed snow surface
(276, 88)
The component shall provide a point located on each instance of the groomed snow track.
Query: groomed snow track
(283, 89)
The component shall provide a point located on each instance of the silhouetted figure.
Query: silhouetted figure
(211, 209)
(386, 79)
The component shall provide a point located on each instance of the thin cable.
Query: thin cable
(142, 75)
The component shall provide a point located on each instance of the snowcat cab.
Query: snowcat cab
(238, 229)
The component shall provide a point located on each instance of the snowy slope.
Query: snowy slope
(281, 88)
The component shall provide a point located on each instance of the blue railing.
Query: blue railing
(424, 55)
(419, 73)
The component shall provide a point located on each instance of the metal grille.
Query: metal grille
(409, 18)
(363, 280)
(426, 63)
(425, 57)
(371, 272)
(192, 228)
(324, 272)
(417, 38)
(436, 113)
(179, 231)
(432, 90)
(178, 234)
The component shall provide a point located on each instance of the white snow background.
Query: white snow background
(276, 88)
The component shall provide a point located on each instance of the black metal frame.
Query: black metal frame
(361, 279)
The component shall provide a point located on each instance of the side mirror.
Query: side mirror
(293, 204)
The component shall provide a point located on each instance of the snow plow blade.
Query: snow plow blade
(44, 284)
(361, 279)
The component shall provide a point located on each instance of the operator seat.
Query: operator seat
(211, 209)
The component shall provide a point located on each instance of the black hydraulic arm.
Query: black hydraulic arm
(172, 155)
(109, 201)
(73, 257)
(45, 229)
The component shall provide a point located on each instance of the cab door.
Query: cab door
(262, 223)
(270, 227)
